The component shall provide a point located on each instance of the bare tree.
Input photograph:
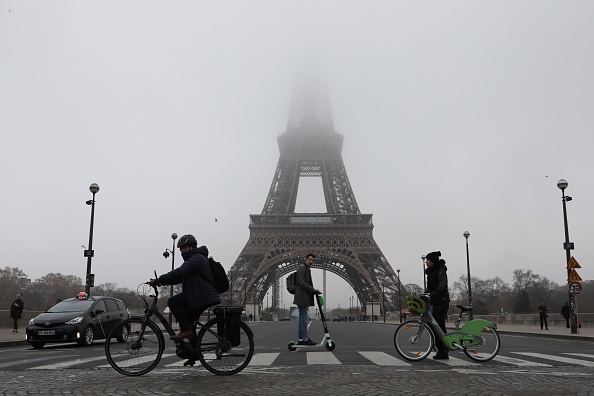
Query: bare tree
(12, 281)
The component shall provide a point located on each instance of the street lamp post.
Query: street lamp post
(384, 298)
(90, 278)
(399, 305)
(423, 266)
(350, 308)
(562, 184)
(372, 304)
(166, 255)
(466, 235)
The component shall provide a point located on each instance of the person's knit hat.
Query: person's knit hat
(433, 257)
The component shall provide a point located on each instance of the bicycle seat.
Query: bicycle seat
(465, 308)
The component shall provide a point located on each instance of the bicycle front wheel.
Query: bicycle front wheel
(225, 346)
(414, 340)
(134, 348)
(487, 346)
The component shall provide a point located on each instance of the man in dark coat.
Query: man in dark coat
(437, 287)
(304, 298)
(198, 290)
(566, 313)
(16, 311)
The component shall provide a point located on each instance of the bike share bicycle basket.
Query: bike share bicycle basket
(416, 305)
(229, 330)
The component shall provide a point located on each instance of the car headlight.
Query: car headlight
(31, 321)
(76, 320)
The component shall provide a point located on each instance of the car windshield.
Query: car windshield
(71, 306)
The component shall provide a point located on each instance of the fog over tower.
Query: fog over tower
(341, 238)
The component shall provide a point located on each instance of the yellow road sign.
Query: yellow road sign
(573, 263)
(573, 276)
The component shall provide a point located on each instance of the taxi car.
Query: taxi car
(81, 319)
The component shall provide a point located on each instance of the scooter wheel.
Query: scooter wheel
(330, 345)
(291, 346)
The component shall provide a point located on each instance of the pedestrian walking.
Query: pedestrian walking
(437, 287)
(542, 313)
(566, 313)
(16, 311)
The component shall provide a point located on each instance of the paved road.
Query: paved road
(352, 369)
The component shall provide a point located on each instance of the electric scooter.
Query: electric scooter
(326, 341)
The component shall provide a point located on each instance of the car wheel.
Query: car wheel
(88, 336)
(37, 344)
(123, 335)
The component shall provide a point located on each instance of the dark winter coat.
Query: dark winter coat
(437, 284)
(16, 309)
(565, 311)
(304, 293)
(196, 279)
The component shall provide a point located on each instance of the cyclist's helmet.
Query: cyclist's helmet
(187, 240)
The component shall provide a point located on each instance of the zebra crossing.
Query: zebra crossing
(270, 360)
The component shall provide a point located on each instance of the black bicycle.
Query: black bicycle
(224, 345)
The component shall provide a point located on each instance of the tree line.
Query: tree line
(522, 296)
(488, 296)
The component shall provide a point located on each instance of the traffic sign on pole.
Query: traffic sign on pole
(573, 263)
(575, 288)
(573, 276)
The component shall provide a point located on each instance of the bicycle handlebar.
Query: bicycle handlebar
(425, 296)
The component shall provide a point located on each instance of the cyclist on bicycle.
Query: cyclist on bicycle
(198, 290)
(437, 287)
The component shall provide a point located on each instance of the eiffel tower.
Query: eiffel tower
(341, 239)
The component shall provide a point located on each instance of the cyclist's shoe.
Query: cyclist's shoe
(183, 350)
(189, 362)
(441, 356)
(307, 342)
(182, 335)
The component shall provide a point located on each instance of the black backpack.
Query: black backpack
(221, 282)
(292, 282)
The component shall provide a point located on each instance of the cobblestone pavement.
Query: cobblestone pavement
(303, 381)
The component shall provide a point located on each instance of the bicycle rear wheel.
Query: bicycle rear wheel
(487, 347)
(139, 351)
(414, 340)
(225, 346)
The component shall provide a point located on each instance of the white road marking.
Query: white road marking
(519, 362)
(383, 359)
(558, 358)
(321, 358)
(263, 359)
(128, 362)
(69, 363)
(454, 362)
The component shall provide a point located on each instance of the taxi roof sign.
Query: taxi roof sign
(573, 263)
(573, 276)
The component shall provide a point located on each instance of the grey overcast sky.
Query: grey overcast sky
(457, 115)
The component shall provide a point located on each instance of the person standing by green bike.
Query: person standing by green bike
(437, 287)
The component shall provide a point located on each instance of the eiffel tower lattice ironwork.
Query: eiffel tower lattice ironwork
(341, 239)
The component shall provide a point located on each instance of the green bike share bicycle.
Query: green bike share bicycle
(415, 339)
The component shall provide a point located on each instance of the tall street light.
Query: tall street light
(90, 278)
(399, 305)
(166, 254)
(384, 298)
(466, 235)
(562, 184)
(423, 266)
(350, 308)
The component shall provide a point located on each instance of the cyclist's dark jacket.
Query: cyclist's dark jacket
(437, 284)
(196, 279)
